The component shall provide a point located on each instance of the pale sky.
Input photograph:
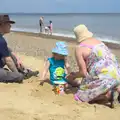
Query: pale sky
(60, 6)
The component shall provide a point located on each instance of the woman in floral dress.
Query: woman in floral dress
(97, 66)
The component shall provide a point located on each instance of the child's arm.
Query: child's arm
(67, 66)
(46, 67)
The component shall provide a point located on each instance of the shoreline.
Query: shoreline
(111, 45)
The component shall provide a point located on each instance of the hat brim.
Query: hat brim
(8, 21)
(11, 22)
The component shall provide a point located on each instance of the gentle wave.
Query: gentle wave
(105, 39)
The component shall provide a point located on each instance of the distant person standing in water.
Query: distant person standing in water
(41, 23)
(50, 27)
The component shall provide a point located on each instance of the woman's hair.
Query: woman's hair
(50, 21)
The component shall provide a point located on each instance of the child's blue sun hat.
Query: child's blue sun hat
(61, 48)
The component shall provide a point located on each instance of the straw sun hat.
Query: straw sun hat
(82, 33)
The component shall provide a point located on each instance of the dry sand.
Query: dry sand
(30, 101)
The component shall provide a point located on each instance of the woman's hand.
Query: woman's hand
(71, 76)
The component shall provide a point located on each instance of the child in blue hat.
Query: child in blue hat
(57, 65)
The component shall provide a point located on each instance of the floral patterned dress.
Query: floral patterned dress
(103, 73)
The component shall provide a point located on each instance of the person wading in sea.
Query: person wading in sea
(41, 23)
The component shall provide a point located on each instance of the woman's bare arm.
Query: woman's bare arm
(67, 66)
(81, 63)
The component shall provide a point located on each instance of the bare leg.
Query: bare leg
(118, 90)
(105, 96)
(40, 29)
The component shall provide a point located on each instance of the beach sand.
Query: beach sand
(30, 101)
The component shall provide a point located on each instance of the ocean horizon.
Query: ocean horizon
(105, 26)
